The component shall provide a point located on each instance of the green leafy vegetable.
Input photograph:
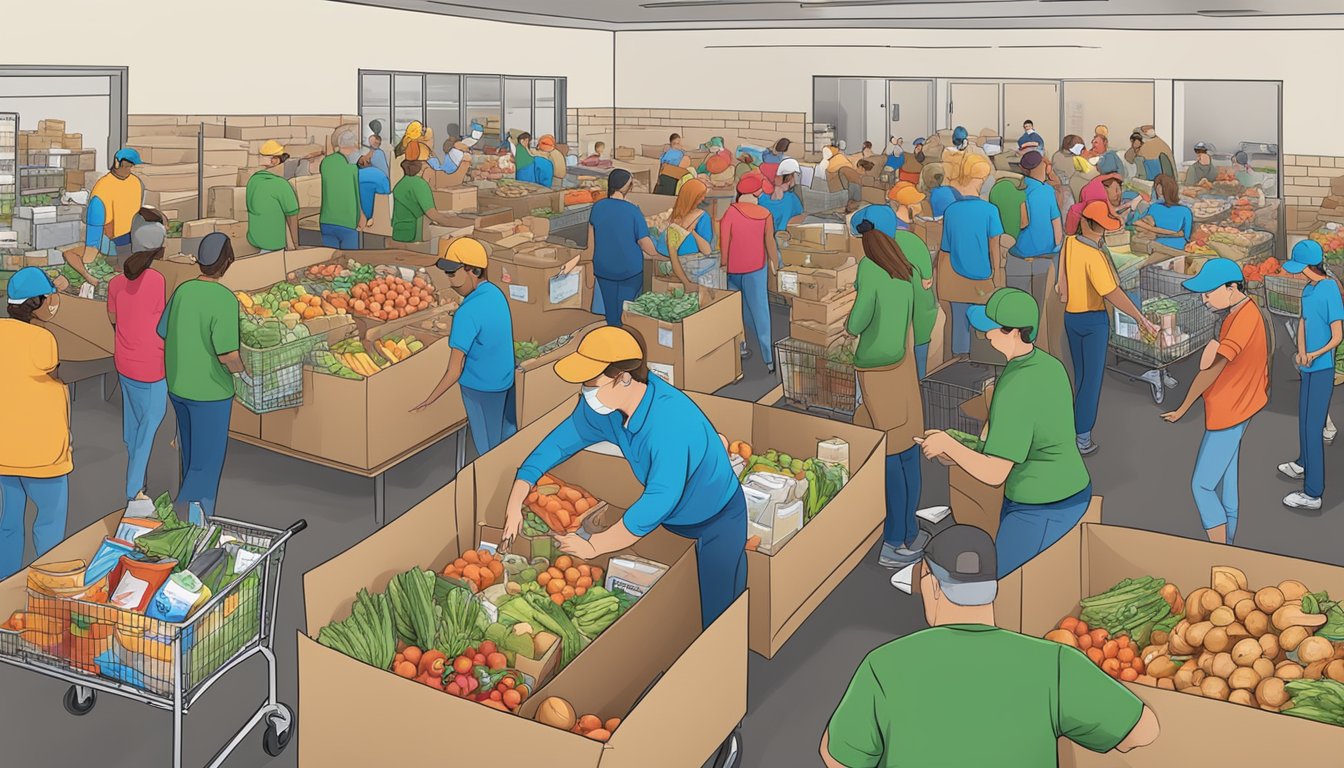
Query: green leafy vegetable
(462, 617)
(413, 609)
(367, 635)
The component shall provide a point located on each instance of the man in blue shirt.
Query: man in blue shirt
(1030, 258)
(618, 241)
(1319, 331)
(783, 203)
(675, 453)
(1030, 139)
(971, 231)
(481, 341)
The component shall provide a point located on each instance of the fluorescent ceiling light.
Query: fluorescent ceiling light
(1230, 12)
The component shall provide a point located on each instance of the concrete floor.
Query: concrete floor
(1142, 469)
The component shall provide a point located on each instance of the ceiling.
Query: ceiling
(640, 15)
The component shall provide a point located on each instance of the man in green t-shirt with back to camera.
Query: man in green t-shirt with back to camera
(412, 203)
(964, 693)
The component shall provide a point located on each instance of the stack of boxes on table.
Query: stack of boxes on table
(52, 163)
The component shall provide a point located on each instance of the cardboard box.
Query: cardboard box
(789, 585)
(309, 190)
(700, 353)
(665, 666)
(461, 198)
(827, 311)
(813, 274)
(537, 197)
(539, 226)
(530, 276)
(87, 320)
(930, 231)
(228, 203)
(540, 391)
(817, 333)
(487, 216)
(1091, 559)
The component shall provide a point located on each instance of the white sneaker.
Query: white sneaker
(1292, 470)
(1301, 500)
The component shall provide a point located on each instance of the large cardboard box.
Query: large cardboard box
(1093, 558)
(530, 275)
(539, 390)
(789, 585)
(812, 332)
(537, 197)
(228, 203)
(813, 274)
(700, 353)
(309, 190)
(646, 669)
(827, 311)
(461, 198)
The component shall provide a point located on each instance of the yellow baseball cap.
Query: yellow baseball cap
(599, 349)
(462, 252)
(976, 167)
(905, 193)
(272, 148)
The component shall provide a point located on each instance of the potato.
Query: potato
(1288, 670)
(1198, 678)
(1245, 652)
(1217, 641)
(1195, 635)
(1226, 579)
(1243, 678)
(1263, 667)
(1292, 589)
(1166, 684)
(1242, 697)
(1163, 666)
(1257, 623)
(1335, 670)
(1237, 631)
(1215, 688)
(1223, 666)
(1290, 615)
(1159, 637)
(1148, 680)
(1236, 596)
(1183, 676)
(1222, 616)
(1269, 599)
(1315, 670)
(1272, 692)
(1243, 608)
(1269, 647)
(1292, 637)
(1315, 649)
(1205, 662)
(1179, 642)
(1201, 603)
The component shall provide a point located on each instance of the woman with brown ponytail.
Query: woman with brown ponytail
(884, 320)
(135, 303)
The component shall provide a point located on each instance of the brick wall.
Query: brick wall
(1308, 181)
(636, 126)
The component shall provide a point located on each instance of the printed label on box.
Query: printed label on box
(663, 372)
(518, 292)
(564, 287)
(665, 337)
(788, 283)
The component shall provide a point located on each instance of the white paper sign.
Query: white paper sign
(665, 337)
(518, 292)
(564, 287)
(663, 372)
(788, 283)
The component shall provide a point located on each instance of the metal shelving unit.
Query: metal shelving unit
(9, 166)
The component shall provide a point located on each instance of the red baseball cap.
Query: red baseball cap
(754, 184)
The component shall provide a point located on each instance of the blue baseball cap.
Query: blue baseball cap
(864, 214)
(919, 141)
(1213, 275)
(1307, 253)
(959, 135)
(28, 283)
(129, 155)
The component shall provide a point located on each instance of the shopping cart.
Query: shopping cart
(945, 390)
(97, 647)
(1187, 324)
(1283, 295)
(818, 379)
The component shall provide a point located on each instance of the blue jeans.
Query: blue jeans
(720, 557)
(493, 416)
(1312, 408)
(143, 405)
(615, 293)
(52, 497)
(961, 328)
(336, 236)
(904, 482)
(755, 308)
(202, 439)
(1216, 464)
(598, 308)
(1027, 530)
(922, 360)
(1089, 334)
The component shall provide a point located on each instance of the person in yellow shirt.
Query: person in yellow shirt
(1087, 283)
(113, 203)
(35, 458)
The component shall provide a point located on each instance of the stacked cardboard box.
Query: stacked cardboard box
(51, 147)
(699, 353)
(821, 322)
(1332, 207)
(817, 263)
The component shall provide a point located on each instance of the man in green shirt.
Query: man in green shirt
(412, 202)
(341, 214)
(272, 205)
(966, 693)
(1029, 446)
(199, 328)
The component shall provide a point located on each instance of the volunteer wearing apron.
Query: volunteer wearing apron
(673, 166)
(969, 262)
(113, 203)
(675, 453)
(481, 341)
(1028, 445)
(35, 459)
(906, 202)
(1031, 261)
(883, 318)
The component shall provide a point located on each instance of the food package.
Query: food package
(636, 575)
(834, 451)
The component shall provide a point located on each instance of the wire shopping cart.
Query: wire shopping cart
(818, 379)
(98, 647)
(945, 390)
(1187, 326)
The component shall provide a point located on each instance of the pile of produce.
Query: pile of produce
(1208, 208)
(478, 568)
(327, 362)
(823, 480)
(1243, 212)
(559, 505)
(531, 350)
(268, 332)
(489, 168)
(1256, 273)
(510, 188)
(1331, 240)
(368, 358)
(1204, 234)
(1279, 648)
(584, 195)
(569, 580)
(98, 267)
(670, 307)
(558, 713)
(390, 297)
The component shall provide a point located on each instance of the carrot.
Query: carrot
(563, 517)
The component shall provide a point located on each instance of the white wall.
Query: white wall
(196, 57)
(662, 69)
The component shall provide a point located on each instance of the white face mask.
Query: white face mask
(590, 396)
(1076, 149)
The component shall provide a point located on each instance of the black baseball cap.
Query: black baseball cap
(963, 560)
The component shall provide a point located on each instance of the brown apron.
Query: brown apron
(892, 402)
(1050, 337)
(951, 286)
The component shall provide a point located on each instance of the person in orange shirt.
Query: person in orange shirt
(1233, 380)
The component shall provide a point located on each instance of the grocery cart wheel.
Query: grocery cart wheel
(730, 752)
(275, 740)
(1159, 393)
(79, 700)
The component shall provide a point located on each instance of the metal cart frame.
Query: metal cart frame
(1196, 319)
(181, 691)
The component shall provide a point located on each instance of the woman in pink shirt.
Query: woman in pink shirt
(135, 302)
(747, 243)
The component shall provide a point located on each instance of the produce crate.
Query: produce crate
(272, 391)
(700, 352)
(816, 201)
(1242, 253)
(572, 217)
(815, 378)
(1191, 317)
(946, 389)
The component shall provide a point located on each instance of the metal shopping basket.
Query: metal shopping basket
(97, 647)
(948, 388)
(817, 379)
(1283, 295)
